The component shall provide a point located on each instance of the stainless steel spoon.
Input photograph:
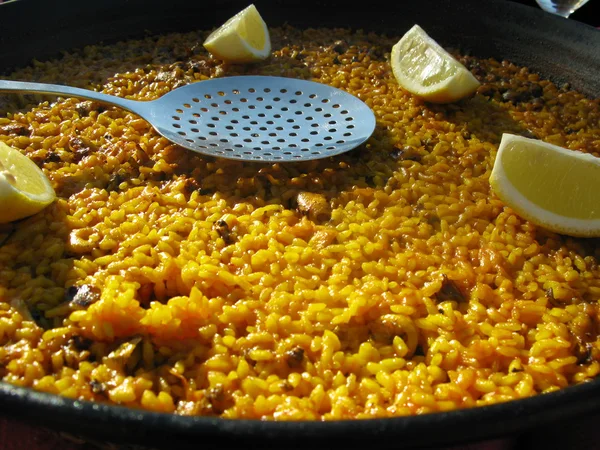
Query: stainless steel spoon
(252, 118)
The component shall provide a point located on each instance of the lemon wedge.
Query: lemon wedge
(243, 38)
(24, 189)
(425, 69)
(551, 186)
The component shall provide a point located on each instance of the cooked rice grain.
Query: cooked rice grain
(387, 281)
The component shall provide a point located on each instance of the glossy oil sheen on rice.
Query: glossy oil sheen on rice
(387, 281)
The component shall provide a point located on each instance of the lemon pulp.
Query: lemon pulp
(24, 188)
(427, 70)
(555, 181)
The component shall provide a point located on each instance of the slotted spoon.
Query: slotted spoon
(254, 118)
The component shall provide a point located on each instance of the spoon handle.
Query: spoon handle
(43, 88)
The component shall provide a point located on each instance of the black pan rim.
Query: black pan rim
(485, 422)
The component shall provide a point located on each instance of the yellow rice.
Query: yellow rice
(385, 282)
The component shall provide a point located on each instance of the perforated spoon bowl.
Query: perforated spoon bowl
(253, 118)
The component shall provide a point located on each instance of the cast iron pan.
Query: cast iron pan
(562, 50)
